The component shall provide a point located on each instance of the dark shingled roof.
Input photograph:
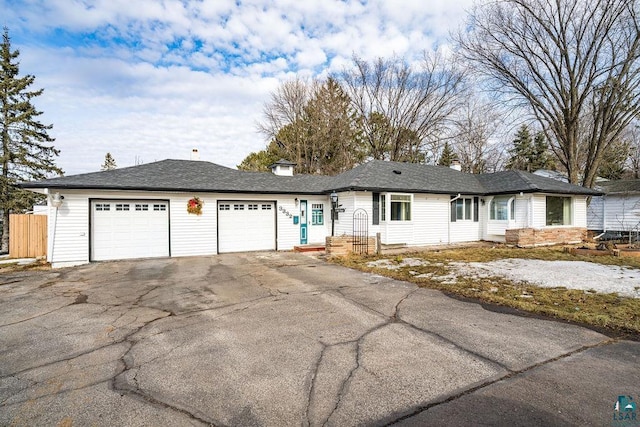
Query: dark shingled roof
(519, 181)
(376, 175)
(620, 186)
(186, 175)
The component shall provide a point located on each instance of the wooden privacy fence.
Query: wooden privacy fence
(27, 236)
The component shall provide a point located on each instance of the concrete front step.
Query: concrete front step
(309, 248)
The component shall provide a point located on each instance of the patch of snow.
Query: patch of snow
(393, 265)
(580, 275)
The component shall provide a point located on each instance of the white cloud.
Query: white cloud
(156, 79)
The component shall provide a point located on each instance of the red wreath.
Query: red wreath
(194, 206)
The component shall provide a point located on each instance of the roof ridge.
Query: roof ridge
(525, 178)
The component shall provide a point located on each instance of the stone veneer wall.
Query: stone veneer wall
(528, 237)
(343, 245)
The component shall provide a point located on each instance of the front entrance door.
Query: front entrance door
(303, 222)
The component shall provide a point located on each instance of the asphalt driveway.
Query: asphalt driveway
(285, 339)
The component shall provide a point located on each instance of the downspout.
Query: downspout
(449, 222)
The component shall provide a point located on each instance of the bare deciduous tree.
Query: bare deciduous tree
(403, 109)
(475, 128)
(574, 64)
(286, 109)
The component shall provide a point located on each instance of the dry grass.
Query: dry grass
(609, 311)
(13, 267)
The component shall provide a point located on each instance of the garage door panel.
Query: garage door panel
(129, 229)
(246, 226)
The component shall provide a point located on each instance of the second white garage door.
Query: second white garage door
(246, 226)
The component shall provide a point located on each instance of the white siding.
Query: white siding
(595, 213)
(69, 231)
(622, 212)
(184, 227)
(465, 230)
(288, 232)
(580, 211)
(539, 211)
(190, 235)
(344, 224)
(430, 219)
(523, 214)
(318, 233)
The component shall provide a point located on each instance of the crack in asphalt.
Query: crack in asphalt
(122, 384)
(36, 316)
(421, 408)
(312, 386)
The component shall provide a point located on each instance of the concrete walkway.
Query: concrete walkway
(284, 339)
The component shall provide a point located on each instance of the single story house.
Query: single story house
(617, 209)
(185, 208)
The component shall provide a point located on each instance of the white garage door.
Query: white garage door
(246, 226)
(123, 229)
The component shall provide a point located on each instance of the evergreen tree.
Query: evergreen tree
(258, 161)
(522, 150)
(313, 126)
(530, 154)
(26, 153)
(541, 157)
(448, 156)
(109, 163)
(613, 162)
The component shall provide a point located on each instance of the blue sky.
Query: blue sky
(151, 79)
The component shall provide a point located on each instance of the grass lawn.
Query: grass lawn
(609, 311)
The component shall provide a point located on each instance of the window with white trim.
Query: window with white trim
(252, 207)
(558, 210)
(464, 207)
(122, 206)
(238, 207)
(400, 205)
(266, 207)
(224, 207)
(499, 208)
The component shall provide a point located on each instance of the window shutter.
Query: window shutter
(476, 209)
(453, 209)
(376, 208)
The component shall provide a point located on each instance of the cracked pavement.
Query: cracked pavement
(285, 339)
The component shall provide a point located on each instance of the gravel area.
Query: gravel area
(582, 275)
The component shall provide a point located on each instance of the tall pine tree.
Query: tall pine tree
(448, 156)
(26, 151)
(530, 154)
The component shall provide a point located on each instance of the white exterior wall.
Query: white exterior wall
(539, 211)
(595, 213)
(580, 211)
(621, 212)
(344, 224)
(465, 230)
(68, 231)
(430, 219)
(190, 235)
